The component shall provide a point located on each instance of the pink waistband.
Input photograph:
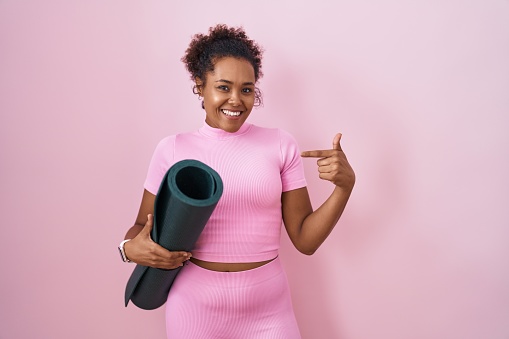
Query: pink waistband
(229, 279)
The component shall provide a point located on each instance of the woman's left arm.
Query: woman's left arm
(306, 228)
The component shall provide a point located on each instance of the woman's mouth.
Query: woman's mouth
(231, 113)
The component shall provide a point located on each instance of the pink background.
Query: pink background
(420, 91)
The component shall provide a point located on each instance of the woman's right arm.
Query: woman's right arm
(141, 249)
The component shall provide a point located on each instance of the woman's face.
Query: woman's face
(228, 94)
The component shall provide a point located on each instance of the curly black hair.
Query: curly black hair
(222, 41)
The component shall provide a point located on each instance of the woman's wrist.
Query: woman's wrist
(343, 190)
(122, 250)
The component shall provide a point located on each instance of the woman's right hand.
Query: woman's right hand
(144, 251)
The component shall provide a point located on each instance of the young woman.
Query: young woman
(233, 284)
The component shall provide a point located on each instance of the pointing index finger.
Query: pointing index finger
(317, 154)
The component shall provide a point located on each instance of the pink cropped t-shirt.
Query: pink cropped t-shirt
(256, 165)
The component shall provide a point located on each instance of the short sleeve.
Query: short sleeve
(292, 169)
(161, 161)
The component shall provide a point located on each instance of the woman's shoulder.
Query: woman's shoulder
(169, 140)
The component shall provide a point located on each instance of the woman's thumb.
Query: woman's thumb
(149, 224)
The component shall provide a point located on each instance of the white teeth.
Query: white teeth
(230, 113)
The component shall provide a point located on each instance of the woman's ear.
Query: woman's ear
(198, 85)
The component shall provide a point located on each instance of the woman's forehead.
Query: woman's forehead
(231, 68)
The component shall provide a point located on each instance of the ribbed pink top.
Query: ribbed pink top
(256, 164)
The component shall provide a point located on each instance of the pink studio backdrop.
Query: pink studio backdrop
(418, 89)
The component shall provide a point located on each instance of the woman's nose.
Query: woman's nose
(234, 99)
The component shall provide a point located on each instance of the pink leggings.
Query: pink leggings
(253, 304)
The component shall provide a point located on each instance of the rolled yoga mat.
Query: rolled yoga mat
(187, 196)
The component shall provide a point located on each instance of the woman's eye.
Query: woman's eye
(247, 90)
(223, 88)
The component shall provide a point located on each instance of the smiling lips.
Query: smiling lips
(231, 113)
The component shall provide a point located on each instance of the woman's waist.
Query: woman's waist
(229, 266)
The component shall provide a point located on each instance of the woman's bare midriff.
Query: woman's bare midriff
(228, 267)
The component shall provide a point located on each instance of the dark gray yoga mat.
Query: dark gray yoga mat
(187, 196)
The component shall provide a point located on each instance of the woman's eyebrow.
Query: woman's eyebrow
(249, 83)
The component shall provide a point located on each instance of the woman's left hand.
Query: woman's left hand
(333, 165)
